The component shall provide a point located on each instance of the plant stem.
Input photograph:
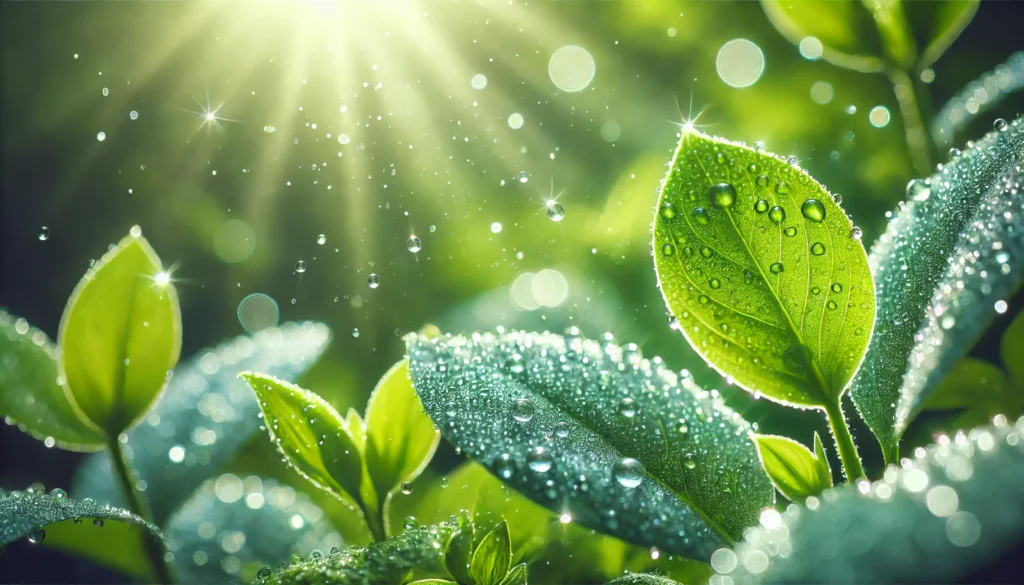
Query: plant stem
(844, 441)
(918, 143)
(374, 521)
(138, 506)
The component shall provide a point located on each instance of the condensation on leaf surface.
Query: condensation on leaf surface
(28, 513)
(977, 98)
(758, 264)
(233, 526)
(203, 416)
(952, 510)
(700, 481)
(953, 250)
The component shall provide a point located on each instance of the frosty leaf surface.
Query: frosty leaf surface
(203, 416)
(642, 579)
(24, 514)
(951, 512)
(594, 430)
(233, 526)
(763, 271)
(30, 392)
(952, 251)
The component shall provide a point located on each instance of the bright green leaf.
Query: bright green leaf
(492, 557)
(940, 24)
(794, 470)
(118, 546)
(517, 575)
(846, 30)
(458, 553)
(400, 438)
(310, 434)
(30, 393)
(944, 260)
(1012, 348)
(120, 335)
(763, 271)
(549, 415)
(204, 416)
(432, 582)
(642, 579)
(938, 519)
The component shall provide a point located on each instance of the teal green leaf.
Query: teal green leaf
(642, 579)
(593, 430)
(413, 554)
(1011, 348)
(233, 526)
(938, 519)
(847, 31)
(763, 271)
(951, 252)
(965, 107)
(25, 514)
(310, 434)
(400, 438)
(517, 575)
(203, 416)
(458, 553)
(794, 470)
(120, 335)
(31, 394)
(492, 558)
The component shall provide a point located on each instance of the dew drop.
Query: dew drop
(700, 215)
(776, 268)
(37, 536)
(264, 573)
(628, 472)
(837, 287)
(815, 290)
(790, 231)
(918, 190)
(414, 244)
(300, 267)
(668, 211)
(539, 460)
(856, 233)
(813, 210)
(522, 410)
(753, 168)
(411, 523)
(706, 252)
(1000, 125)
(690, 464)
(817, 248)
(832, 305)
(955, 153)
(777, 214)
(714, 283)
(58, 493)
(101, 136)
(407, 488)
(703, 299)
(321, 239)
(782, 187)
(556, 212)
(722, 194)
(761, 206)
(562, 430)
(668, 250)
(762, 180)
(627, 407)
(504, 466)
(43, 234)
(373, 281)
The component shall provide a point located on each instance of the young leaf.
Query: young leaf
(642, 579)
(120, 335)
(458, 553)
(621, 444)
(492, 557)
(310, 434)
(763, 271)
(952, 250)
(847, 32)
(203, 416)
(1011, 348)
(400, 438)
(944, 23)
(31, 394)
(25, 514)
(938, 519)
(794, 470)
(517, 575)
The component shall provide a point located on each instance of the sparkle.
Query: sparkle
(565, 518)
(207, 115)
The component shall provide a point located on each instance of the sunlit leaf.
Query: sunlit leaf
(30, 393)
(310, 434)
(940, 23)
(1011, 348)
(950, 253)
(400, 438)
(517, 575)
(794, 470)
(762, 270)
(937, 519)
(120, 335)
(233, 526)
(846, 30)
(595, 431)
(492, 558)
(965, 107)
(203, 416)
(25, 514)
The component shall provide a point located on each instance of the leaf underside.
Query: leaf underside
(762, 271)
(562, 419)
(22, 513)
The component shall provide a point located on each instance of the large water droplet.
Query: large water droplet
(555, 211)
(813, 210)
(37, 536)
(522, 409)
(321, 239)
(373, 281)
(722, 194)
(790, 231)
(407, 488)
(58, 493)
(762, 180)
(777, 214)
(300, 267)
(264, 572)
(668, 250)
(761, 206)
(562, 430)
(43, 234)
(837, 287)
(628, 472)
(539, 460)
(1000, 125)
(414, 244)
(782, 187)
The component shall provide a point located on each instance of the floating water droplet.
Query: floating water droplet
(761, 206)
(407, 488)
(43, 234)
(133, 115)
(539, 460)
(101, 136)
(373, 281)
(776, 268)
(628, 472)
(813, 210)
(700, 215)
(444, 482)
(321, 239)
(777, 214)
(300, 267)
(522, 410)
(414, 244)
(523, 176)
(817, 248)
(555, 211)
(668, 211)
(790, 231)
(504, 467)
(722, 194)
(37, 536)
(627, 407)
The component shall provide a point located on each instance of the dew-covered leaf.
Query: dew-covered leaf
(935, 520)
(1011, 348)
(593, 430)
(310, 434)
(848, 35)
(794, 470)
(203, 416)
(763, 271)
(233, 526)
(27, 514)
(416, 553)
(642, 579)
(977, 98)
(953, 250)
(30, 393)
(120, 335)
(400, 437)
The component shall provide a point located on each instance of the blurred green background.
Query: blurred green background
(236, 133)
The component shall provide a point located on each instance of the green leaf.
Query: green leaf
(517, 575)
(794, 470)
(642, 579)
(30, 393)
(964, 108)
(1012, 347)
(846, 30)
(28, 514)
(432, 582)
(203, 417)
(762, 270)
(937, 519)
(233, 526)
(414, 553)
(120, 335)
(593, 430)
(946, 258)
(310, 434)
(118, 546)
(492, 557)
(400, 438)
(458, 553)
(976, 384)
(940, 23)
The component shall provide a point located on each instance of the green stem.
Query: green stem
(918, 143)
(844, 442)
(138, 506)
(374, 521)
